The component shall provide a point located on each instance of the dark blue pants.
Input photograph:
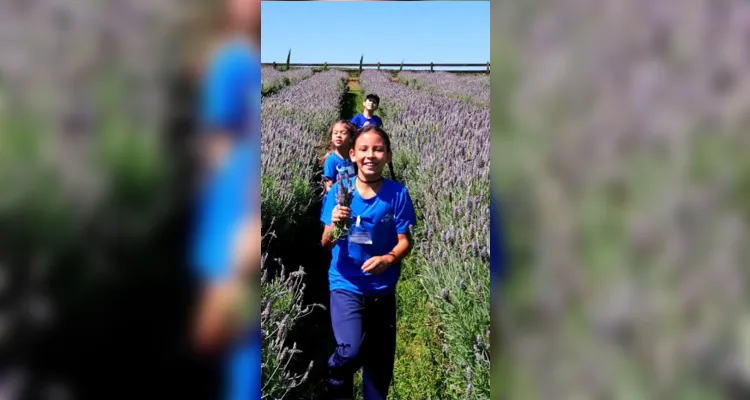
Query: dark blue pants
(365, 331)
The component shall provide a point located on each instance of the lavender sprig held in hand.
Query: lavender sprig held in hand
(343, 199)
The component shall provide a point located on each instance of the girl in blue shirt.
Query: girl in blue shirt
(337, 160)
(365, 268)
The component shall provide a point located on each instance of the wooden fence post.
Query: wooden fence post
(488, 67)
(378, 65)
(432, 67)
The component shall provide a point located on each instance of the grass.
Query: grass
(418, 369)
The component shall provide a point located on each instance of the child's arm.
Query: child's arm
(329, 173)
(378, 264)
(326, 241)
(331, 214)
(338, 214)
(404, 218)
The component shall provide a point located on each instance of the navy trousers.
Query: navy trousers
(365, 331)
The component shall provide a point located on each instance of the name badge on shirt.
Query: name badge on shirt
(359, 235)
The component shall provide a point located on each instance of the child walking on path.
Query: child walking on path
(368, 117)
(365, 267)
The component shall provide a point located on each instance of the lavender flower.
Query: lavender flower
(343, 199)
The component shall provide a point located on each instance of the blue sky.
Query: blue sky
(384, 31)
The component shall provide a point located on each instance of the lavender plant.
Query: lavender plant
(282, 302)
(313, 102)
(344, 199)
(473, 88)
(273, 80)
(621, 151)
(442, 145)
(293, 121)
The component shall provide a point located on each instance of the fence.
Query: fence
(479, 66)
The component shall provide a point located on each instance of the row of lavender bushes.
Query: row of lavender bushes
(621, 143)
(294, 122)
(273, 80)
(473, 88)
(441, 150)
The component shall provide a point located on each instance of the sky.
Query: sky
(384, 31)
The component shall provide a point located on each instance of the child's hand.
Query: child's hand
(247, 249)
(376, 265)
(340, 214)
(215, 325)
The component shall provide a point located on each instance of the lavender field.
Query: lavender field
(441, 148)
(620, 149)
(472, 88)
(273, 80)
(443, 297)
(293, 125)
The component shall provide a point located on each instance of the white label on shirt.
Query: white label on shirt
(361, 237)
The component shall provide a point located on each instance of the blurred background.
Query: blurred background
(619, 151)
(96, 190)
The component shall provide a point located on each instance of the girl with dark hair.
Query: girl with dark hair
(365, 267)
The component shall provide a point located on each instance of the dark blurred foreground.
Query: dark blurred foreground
(96, 204)
(99, 299)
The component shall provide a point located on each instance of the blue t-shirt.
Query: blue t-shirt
(231, 103)
(360, 119)
(231, 91)
(334, 165)
(382, 218)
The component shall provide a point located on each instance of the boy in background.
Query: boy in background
(368, 117)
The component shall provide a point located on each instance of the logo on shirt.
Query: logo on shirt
(387, 218)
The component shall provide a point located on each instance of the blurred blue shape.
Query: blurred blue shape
(231, 91)
(231, 105)
(498, 251)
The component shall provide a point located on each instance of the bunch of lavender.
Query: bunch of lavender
(343, 199)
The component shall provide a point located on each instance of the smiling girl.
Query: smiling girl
(337, 160)
(365, 268)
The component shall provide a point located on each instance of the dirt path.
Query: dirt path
(353, 84)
